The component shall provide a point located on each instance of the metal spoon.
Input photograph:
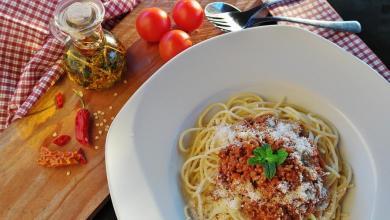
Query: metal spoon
(216, 13)
(222, 10)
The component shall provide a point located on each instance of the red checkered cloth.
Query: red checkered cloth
(29, 59)
(322, 10)
(30, 56)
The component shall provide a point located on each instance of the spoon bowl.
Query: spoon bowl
(219, 7)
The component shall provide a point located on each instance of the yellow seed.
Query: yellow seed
(110, 107)
(115, 94)
(112, 118)
(124, 81)
(104, 120)
(101, 123)
(68, 173)
(96, 147)
(96, 137)
(100, 132)
(55, 134)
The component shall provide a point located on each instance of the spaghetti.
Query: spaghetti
(218, 183)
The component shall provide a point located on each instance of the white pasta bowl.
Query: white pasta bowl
(142, 159)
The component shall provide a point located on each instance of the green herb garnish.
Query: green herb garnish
(268, 159)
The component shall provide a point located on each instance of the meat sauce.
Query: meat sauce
(295, 191)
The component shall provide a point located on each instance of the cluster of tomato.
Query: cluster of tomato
(154, 25)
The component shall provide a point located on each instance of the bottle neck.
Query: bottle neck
(92, 42)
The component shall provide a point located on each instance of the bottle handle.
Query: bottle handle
(56, 32)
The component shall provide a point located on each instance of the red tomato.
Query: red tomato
(172, 43)
(188, 15)
(152, 24)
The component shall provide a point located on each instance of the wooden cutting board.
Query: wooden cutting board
(28, 191)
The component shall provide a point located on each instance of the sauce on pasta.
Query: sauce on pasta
(219, 183)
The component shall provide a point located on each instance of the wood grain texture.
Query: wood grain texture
(28, 191)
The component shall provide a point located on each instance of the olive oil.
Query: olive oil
(99, 70)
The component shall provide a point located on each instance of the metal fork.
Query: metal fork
(239, 17)
(229, 25)
(236, 20)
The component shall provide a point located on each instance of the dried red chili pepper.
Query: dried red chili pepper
(59, 100)
(81, 156)
(61, 140)
(82, 123)
(82, 126)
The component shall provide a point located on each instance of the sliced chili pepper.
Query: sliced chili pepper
(81, 156)
(59, 100)
(82, 126)
(82, 122)
(61, 140)
(49, 158)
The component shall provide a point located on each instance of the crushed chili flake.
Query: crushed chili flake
(51, 158)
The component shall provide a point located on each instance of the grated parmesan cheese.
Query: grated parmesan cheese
(224, 135)
(234, 203)
(235, 134)
(283, 186)
(287, 132)
(220, 193)
(271, 122)
(303, 193)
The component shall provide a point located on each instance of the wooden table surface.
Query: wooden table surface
(28, 191)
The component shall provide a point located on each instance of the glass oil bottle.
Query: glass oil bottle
(93, 57)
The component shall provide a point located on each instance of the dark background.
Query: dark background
(374, 16)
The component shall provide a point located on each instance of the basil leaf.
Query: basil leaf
(268, 149)
(259, 151)
(282, 156)
(268, 159)
(273, 158)
(252, 161)
(271, 170)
